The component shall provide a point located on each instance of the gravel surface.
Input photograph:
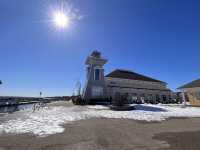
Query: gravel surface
(112, 134)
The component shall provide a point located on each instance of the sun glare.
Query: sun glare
(61, 19)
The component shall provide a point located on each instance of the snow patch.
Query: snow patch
(100, 107)
(49, 120)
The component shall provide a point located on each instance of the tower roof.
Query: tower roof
(95, 58)
(96, 54)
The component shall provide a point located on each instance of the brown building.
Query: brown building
(192, 92)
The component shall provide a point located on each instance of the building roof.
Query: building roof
(126, 74)
(195, 83)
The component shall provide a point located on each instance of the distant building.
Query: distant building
(123, 82)
(192, 92)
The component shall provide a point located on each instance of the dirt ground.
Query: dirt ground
(113, 134)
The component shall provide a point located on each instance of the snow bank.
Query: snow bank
(43, 122)
(97, 107)
(50, 119)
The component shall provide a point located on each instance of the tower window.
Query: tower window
(97, 74)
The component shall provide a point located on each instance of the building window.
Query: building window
(134, 96)
(157, 98)
(150, 96)
(97, 91)
(97, 74)
(198, 95)
(164, 97)
(142, 97)
(170, 97)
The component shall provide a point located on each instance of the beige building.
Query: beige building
(137, 87)
(192, 92)
(121, 82)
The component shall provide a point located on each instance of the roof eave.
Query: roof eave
(137, 80)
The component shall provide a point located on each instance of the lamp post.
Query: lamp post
(183, 98)
(40, 94)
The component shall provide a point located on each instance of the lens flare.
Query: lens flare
(61, 19)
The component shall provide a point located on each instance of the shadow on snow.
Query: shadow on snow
(149, 108)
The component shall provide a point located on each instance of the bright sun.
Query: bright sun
(61, 19)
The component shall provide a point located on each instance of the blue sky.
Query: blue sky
(158, 38)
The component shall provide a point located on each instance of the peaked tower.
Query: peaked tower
(95, 87)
